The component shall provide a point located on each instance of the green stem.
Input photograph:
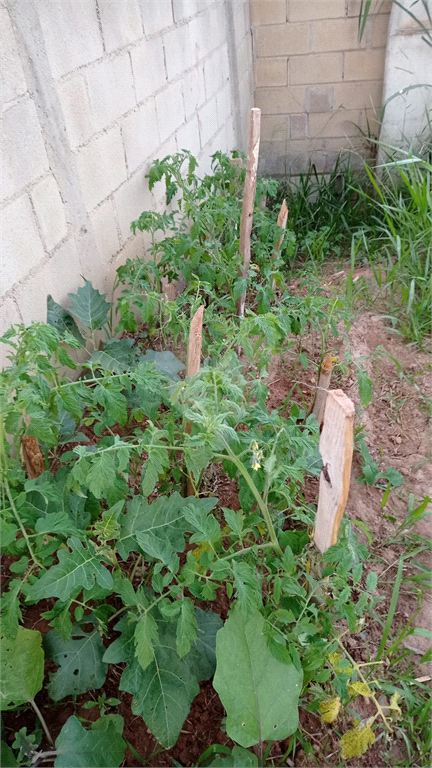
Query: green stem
(264, 509)
(42, 721)
(253, 548)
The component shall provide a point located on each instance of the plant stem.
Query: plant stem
(42, 721)
(253, 548)
(264, 509)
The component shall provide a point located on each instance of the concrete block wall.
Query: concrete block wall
(93, 91)
(319, 89)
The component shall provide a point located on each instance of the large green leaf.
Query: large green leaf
(78, 568)
(163, 518)
(260, 693)
(61, 320)
(81, 668)
(204, 652)
(102, 747)
(89, 306)
(163, 692)
(22, 667)
(7, 757)
(118, 356)
(166, 362)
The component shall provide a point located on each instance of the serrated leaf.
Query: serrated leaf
(81, 668)
(61, 320)
(89, 306)
(8, 533)
(145, 635)
(101, 475)
(163, 692)
(207, 527)
(365, 385)
(356, 742)
(22, 667)
(235, 520)
(186, 627)
(118, 356)
(371, 581)
(248, 589)
(330, 709)
(395, 478)
(78, 568)
(123, 648)
(357, 688)
(56, 522)
(10, 609)
(166, 362)
(113, 402)
(79, 748)
(260, 693)
(204, 652)
(396, 712)
(7, 757)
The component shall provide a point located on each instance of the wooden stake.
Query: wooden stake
(193, 366)
(321, 392)
(249, 200)
(281, 222)
(336, 448)
(32, 457)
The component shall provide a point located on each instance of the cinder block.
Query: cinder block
(353, 7)
(274, 128)
(280, 101)
(364, 65)
(21, 244)
(101, 167)
(282, 39)
(268, 12)
(272, 160)
(105, 230)
(12, 80)
(269, 72)
(299, 10)
(316, 68)
(180, 50)
(131, 200)
(148, 65)
(183, 9)
(377, 31)
(121, 23)
(50, 211)
(337, 124)
(299, 126)
(188, 136)
(193, 91)
(58, 276)
(224, 105)
(335, 35)
(140, 135)
(170, 110)
(156, 16)
(213, 73)
(71, 34)
(362, 95)
(319, 98)
(76, 110)
(208, 123)
(24, 158)
(111, 90)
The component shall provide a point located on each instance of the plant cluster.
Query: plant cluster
(126, 568)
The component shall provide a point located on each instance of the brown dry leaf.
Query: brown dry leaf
(32, 456)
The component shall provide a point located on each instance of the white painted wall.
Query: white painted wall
(408, 64)
(92, 91)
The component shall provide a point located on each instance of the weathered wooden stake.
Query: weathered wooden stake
(321, 392)
(281, 222)
(336, 448)
(193, 366)
(249, 200)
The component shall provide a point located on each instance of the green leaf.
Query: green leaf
(166, 362)
(78, 568)
(163, 692)
(10, 609)
(89, 306)
(239, 758)
(102, 474)
(235, 520)
(146, 635)
(365, 385)
(156, 464)
(260, 693)
(123, 648)
(8, 532)
(118, 356)
(114, 403)
(394, 477)
(186, 627)
(61, 320)
(204, 651)
(7, 757)
(22, 668)
(98, 748)
(207, 527)
(371, 581)
(81, 668)
(248, 589)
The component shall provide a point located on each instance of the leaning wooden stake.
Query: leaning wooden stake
(336, 448)
(193, 366)
(249, 200)
(321, 392)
